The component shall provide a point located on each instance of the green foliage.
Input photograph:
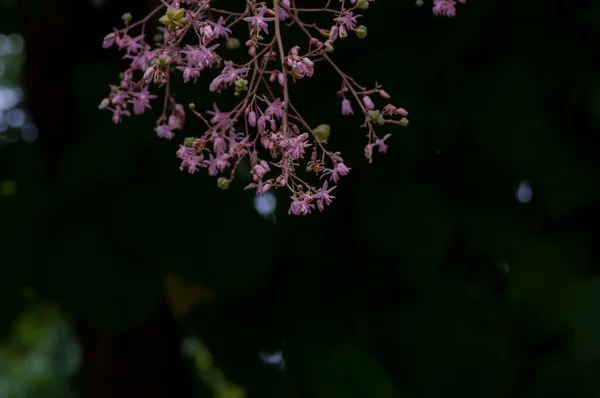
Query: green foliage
(346, 370)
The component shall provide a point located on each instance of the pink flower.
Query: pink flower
(219, 28)
(219, 145)
(260, 169)
(259, 22)
(133, 44)
(323, 197)
(118, 113)
(141, 100)
(339, 170)
(275, 108)
(228, 76)
(165, 131)
(446, 8)
(296, 146)
(381, 146)
(218, 117)
(190, 160)
(216, 164)
(347, 20)
(300, 207)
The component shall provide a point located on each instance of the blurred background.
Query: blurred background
(462, 263)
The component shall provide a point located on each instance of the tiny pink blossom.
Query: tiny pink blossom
(165, 131)
(300, 207)
(141, 100)
(259, 22)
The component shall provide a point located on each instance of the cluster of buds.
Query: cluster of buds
(264, 129)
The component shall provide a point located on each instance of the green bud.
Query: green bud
(374, 116)
(233, 43)
(361, 31)
(322, 132)
(175, 14)
(192, 106)
(223, 183)
(404, 122)
(163, 63)
(189, 141)
(329, 48)
(126, 18)
(241, 85)
(362, 5)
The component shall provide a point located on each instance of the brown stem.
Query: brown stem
(286, 96)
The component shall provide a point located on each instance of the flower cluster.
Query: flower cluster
(446, 8)
(264, 128)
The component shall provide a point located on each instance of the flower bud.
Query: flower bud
(126, 18)
(347, 107)
(192, 106)
(322, 132)
(189, 142)
(384, 94)
(361, 31)
(362, 5)
(252, 118)
(404, 122)
(374, 116)
(333, 33)
(401, 112)
(241, 85)
(149, 74)
(104, 103)
(223, 183)
(368, 102)
(233, 43)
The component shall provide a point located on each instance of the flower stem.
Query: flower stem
(286, 96)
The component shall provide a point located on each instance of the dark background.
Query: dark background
(426, 278)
